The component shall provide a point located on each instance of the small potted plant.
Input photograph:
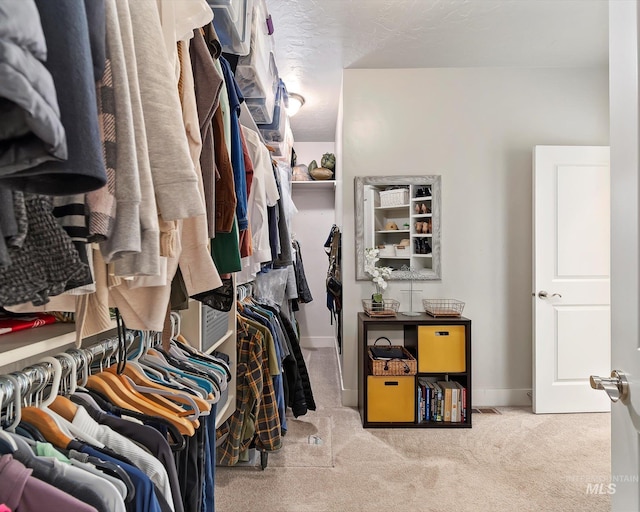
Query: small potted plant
(378, 276)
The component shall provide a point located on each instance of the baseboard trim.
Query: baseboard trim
(350, 397)
(318, 341)
(501, 397)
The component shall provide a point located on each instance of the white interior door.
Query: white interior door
(625, 250)
(570, 277)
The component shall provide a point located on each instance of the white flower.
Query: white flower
(378, 274)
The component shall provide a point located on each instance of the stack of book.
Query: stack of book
(441, 400)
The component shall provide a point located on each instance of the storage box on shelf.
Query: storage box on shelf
(385, 366)
(394, 197)
(256, 72)
(263, 104)
(391, 399)
(438, 395)
(232, 21)
(275, 131)
(441, 348)
(233, 8)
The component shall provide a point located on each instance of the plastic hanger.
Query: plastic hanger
(55, 383)
(39, 418)
(120, 392)
(157, 360)
(70, 380)
(61, 404)
(4, 437)
(175, 332)
(152, 389)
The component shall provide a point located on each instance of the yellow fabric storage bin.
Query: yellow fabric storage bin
(441, 348)
(391, 398)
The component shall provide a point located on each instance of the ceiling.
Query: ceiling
(317, 39)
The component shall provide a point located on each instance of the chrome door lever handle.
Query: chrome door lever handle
(544, 295)
(616, 386)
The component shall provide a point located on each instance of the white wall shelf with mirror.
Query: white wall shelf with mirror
(400, 215)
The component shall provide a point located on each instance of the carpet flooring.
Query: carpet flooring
(510, 461)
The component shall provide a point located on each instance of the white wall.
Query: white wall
(311, 226)
(476, 128)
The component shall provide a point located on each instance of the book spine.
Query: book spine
(447, 404)
(464, 404)
(455, 415)
(427, 393)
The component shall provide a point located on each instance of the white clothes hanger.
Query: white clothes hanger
(5, 393)
(69, 382)
(55, 384)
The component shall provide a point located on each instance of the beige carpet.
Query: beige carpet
(514, 461)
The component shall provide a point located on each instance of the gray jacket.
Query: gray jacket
(30, 128)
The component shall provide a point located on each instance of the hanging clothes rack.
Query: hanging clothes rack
(32, 379)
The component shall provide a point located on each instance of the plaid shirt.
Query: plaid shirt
(256, 413)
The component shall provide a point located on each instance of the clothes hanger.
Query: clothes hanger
(176, 440)
(175, 332)
(38, 417)
(166, 382)
(120, 392)
(157, 360)
(61, 404)
(4, 437)
(14, 411)
(133, 371)
(82, 360)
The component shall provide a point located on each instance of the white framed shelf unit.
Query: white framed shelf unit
(210, 330)
(411, 244)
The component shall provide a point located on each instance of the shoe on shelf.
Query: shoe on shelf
(417, 208)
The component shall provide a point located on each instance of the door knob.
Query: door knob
(543, 295)
(616, 386)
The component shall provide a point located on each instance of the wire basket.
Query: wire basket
(386, 308)
(443, 307)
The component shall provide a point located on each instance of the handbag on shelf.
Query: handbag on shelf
(386, 352)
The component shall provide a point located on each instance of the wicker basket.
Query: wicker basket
(394, 197)
(405, 366)
(443, 307)
(388, 308)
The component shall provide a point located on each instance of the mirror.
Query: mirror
(400, 215)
